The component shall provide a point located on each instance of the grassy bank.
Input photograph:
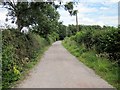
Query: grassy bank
(20, 52)
(104, 67)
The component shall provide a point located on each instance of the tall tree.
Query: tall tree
(18, 12)
(70, 7)
(75, 12)
(42, 15)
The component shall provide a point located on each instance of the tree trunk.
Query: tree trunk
(77, 27)
(19, 23)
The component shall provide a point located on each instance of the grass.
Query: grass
(101, 65)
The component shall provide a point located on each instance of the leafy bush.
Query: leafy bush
(102, 65)
(85, 37)
(105, 41)
(53, 37)
(18, 50)
(108, 42)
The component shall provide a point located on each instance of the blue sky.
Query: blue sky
(90, 12)
(93, 12)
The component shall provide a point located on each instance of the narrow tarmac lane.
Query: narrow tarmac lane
(59, 69)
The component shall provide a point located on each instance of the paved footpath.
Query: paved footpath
(59, 69)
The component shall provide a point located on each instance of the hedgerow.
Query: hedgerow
(18, 49)
(105, 41)
(99, 49)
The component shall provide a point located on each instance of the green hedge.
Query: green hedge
(18, 50)
(99, 48)
(105, 41)
(108, 42)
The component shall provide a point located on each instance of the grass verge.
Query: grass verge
(102, 66)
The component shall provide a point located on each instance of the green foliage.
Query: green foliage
(108, 41)
(42, 16)
(46, 20)
(71, 30)
(85, 37)
(104, 41)
(104, 67)
(53, 37)
(17, 51)
(69, 7)
(98, 48)
(20, 49)
(61, 31)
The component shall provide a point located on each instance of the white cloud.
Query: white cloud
(83, 19)
(103, 17)
(64, 1)
(65, 17)
(3, 13)
(109, 20)
(104, 8)
(99, 1)
(82, 8)
(114, 1)
(102, 20)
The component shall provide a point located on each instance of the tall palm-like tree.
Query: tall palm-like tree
(75, 12)
(69, 6)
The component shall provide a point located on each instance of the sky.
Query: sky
(93, 12)
(90, 12)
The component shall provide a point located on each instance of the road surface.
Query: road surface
(59, 69)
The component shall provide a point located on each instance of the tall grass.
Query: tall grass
(104, 67)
